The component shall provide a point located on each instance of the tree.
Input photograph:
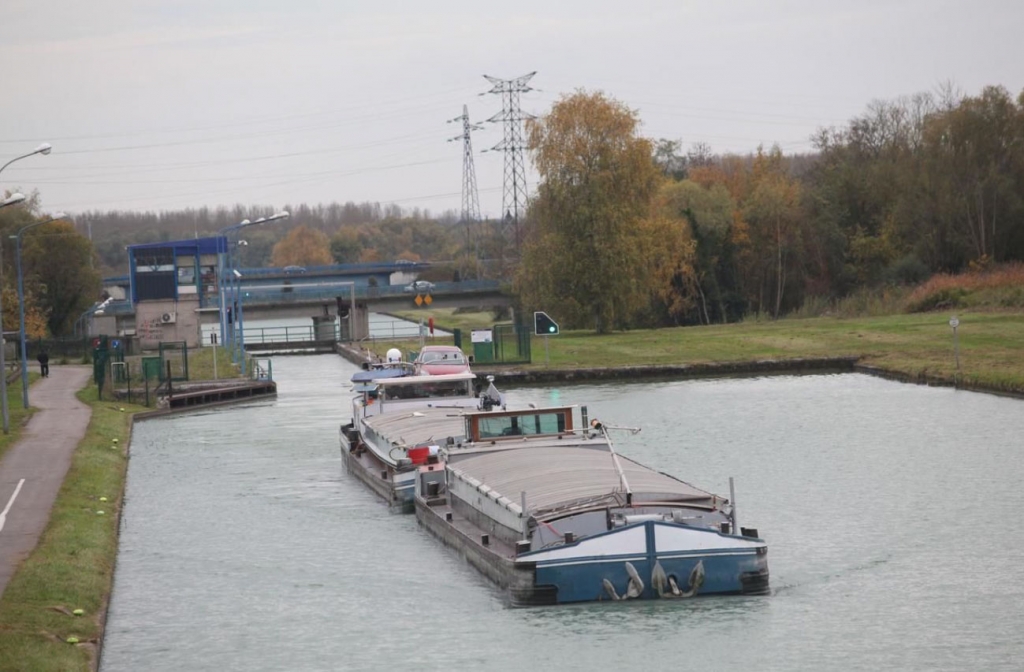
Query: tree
(345, 246)
(977, 149)
(710, 215)
(582, 257)
(302, 246)
(667, 252)
(58, 266)
(773, 212)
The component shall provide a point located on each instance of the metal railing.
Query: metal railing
(288, 334)
(254, 294)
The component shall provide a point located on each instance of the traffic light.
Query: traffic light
(544, 325)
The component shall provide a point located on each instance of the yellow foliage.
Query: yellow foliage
(303, 246)
(35, 318)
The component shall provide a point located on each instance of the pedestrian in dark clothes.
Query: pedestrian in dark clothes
(44, 364)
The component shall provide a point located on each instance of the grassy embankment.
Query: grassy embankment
(991, 345)
(16, 414)
(910, 342)
(72, 567)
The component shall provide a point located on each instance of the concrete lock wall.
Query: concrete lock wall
(167, 320)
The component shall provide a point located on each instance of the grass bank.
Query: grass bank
(72, 567)
(17, 415)
(918, 346)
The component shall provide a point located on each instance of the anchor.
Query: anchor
(633, 590)
(661, 581)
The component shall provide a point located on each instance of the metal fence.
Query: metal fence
(511, 344)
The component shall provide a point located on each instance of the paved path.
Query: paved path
(33, 469)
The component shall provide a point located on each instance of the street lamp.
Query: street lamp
(43, 149)
(13, 199)
(21, 302)
(234, 278)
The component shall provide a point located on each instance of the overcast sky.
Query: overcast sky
(154, 105)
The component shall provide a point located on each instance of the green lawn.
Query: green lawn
(16, 414)
(920, 344)
(72, 567)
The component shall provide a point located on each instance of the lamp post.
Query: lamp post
(43, 149)
(21, 302)
(234, 278)
(13, 199)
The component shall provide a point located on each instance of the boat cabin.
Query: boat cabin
(454, 389)
(498, 425)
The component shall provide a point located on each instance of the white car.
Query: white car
(420, 287)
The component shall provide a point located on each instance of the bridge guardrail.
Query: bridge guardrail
(297, 292)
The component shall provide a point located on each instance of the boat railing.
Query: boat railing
(603, 428)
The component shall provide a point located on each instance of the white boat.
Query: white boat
(397, 418)
(548, 509)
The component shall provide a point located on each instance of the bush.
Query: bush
(940, 298)
(907, 271)
(1000, 286)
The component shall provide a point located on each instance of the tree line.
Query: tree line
(625, 231)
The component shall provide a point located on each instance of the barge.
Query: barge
(400, 418)
(548, 510)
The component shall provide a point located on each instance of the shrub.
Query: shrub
(989, 287)
(907, 271)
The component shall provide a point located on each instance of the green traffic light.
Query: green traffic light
(551, 329)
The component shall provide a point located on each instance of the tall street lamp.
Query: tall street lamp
(13, 199)
(235, 277)
(21, 302)
(43, 149)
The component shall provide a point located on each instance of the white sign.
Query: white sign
(953, 322)
(481, 336)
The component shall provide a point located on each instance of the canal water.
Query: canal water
(893, 515)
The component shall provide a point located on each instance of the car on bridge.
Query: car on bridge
(420, 287)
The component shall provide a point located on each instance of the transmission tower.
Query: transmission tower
(470, 197)
(513, 198)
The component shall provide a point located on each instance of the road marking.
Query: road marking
(3, 516)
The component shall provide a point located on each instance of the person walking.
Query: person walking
(44, 364)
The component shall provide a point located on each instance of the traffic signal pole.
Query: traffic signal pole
(544, 326)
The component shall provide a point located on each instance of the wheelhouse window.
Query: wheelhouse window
(520, 425)
(450, 388)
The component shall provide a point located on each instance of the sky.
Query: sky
(167, 105)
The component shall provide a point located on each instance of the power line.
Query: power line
(514, 195)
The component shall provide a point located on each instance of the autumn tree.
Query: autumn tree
(773, 212)
(58, 266)
(345, 245)
(667, 251)
(303, 246)
(36, 310)
(710, 215)
(583, 253)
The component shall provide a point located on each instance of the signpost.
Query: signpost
(544, 326)
(954, 322)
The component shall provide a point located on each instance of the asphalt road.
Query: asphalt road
(33, 469)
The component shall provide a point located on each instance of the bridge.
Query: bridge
(267, 293)
(288, 300)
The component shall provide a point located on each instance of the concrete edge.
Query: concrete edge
(105, 607)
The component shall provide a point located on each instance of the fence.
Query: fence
(70, 348)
